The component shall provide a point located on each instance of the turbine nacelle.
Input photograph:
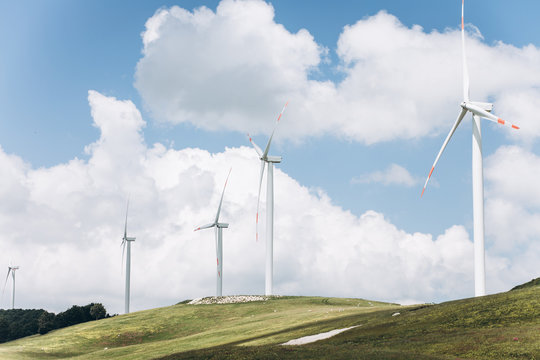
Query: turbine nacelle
(272, 159)
(470, 105)
(208, 226)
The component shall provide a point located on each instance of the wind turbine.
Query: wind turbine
(270, 160)
(478, 110)
(126, 242)
(218, 231)
(11, 269)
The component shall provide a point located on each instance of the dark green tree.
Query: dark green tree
(98, 311)
(46, 322)
(4, 329)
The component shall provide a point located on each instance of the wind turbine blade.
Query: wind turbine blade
(257, 149)
(125, 226)
(489, 116)
(205, 226)
(5, 283)
(456, 124)
(258, 199)
(222, 193)
(464, 56)
(271, 136)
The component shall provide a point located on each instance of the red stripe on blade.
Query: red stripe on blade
(515, 127)
(500, 121)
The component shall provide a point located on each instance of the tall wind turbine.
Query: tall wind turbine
(270, 160)
(11, 269)
(126, 243)
(218, 231)
(478, 110)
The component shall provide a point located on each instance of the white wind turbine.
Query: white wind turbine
(126, 243)
(218, 231)
(478, 110)
(270, 160)
(11, 269)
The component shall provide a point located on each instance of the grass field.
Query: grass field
(158, 332)
(501, 326)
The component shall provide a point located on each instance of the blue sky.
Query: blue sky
(54, 52)
(62, 48)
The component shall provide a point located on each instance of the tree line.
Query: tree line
(18, 323)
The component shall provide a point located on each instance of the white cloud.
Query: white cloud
(513, 198)
(235, 67)
(513, 211)
(521, 107)
(393, 175)
(219, 70)
(63, 226)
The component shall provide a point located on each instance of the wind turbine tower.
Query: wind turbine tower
(478, 110)
(126, 243)
(270, 160)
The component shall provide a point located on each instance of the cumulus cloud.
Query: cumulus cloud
(235, 67)
(63, 225)
(513, 210)
(513, 196)
(393, 175)
(219, 70)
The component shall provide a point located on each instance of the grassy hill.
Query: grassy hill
(159, 332)
(501, 326)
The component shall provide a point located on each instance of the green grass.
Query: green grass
(501, 326)
(159, 332)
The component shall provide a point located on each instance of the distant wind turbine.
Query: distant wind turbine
(126, 242)
(478, 110)
(11, 269)
(270, 160)
(218, 231)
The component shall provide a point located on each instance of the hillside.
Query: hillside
(183, 327)
(501, 326)
(532, 283)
